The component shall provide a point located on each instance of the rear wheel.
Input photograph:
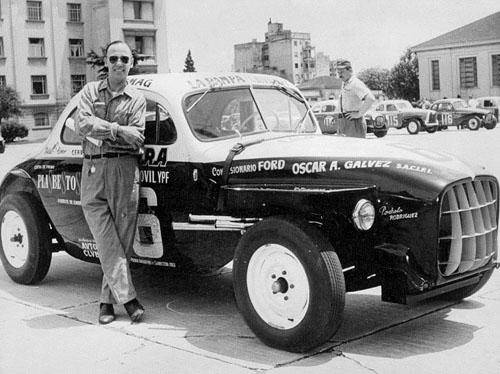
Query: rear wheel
(24, 239)
(413, 127)
(474, 123)
(289, 284)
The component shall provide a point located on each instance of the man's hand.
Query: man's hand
(353, 115)
(130, 135)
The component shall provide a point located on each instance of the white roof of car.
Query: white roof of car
(179, 84)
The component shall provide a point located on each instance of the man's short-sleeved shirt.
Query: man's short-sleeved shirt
(352, 94)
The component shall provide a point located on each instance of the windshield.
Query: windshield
(239, 112)
(460, 105)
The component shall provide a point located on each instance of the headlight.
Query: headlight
(380, 122)
(364, 215)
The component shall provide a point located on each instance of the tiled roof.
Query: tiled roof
(322, 82)
(483, 30)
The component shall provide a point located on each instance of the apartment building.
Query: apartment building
(285, 53)
(44, 45)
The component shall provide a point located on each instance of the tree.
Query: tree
(189, 63)
(375, 78)
(97, 61)
(403, 82)
(9, 102)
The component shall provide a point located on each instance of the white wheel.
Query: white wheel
(15, 239)
(413, 127)
(278, 286)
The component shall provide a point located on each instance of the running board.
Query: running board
(214, 223)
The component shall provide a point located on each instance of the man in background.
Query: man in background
(355, 100)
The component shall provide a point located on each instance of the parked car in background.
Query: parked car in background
(235, 168)
(327, 113)
(456, 112)
(401, 114)
(377, 123)
(491, 103)
(2, 144)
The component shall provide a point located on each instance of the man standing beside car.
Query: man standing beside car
(355, 100)
(111, 120)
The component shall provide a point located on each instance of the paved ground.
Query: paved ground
(193, 326)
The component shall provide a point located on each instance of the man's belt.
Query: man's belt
(343, 114)
(108, 155)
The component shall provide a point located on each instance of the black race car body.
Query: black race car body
(456, 112)
(490, 103)
(236, 168)
(327, 113)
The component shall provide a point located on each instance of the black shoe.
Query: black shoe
(106, 313)
(135, 310)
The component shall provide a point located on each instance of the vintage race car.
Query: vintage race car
(491, 103)
(378, 123)
(327, 113)
(456, 112)
(400, 114)
(236, 169)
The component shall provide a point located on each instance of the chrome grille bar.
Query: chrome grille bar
(468, 226)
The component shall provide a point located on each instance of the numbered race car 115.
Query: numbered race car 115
(236, 169)
(400, 114)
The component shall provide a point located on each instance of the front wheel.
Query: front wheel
(24, 239)
(431, 129)
(413, 127)
(288, 284)
(380, 133)
(474, 123)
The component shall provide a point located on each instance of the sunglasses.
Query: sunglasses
(114, 59)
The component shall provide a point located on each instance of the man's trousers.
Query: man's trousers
(110, 199)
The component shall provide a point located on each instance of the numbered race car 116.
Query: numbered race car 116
(236, 169)
(456, 112)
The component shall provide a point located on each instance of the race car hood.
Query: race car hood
(346, 162)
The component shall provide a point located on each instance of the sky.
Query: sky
(369, 33)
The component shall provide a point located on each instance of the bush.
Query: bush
(11, 129)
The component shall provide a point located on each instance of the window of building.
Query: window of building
(296, 65)
(143, 44)
(34, 10)
(3, 81)
(436, 85)
(74, 12)
(37, 48)
(138, 10)
(468, 72)
(77, 83)
(76, 48)
(1, 47)
(39, 84)
(41, 120)
(495, 70)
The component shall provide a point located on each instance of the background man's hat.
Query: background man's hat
(344, 64)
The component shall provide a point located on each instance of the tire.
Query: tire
(380, 133)
(474, 123)
(288, 284)
(25, 246)
(467, 291)
(413, 127)
(490, 126)
(431, 129)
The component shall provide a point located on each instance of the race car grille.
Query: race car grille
(432, 117)
(468, 227)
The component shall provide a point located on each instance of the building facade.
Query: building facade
(284, 53)
(44, 45)
(464, 62)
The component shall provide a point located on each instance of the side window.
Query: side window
(69, 134)
(160, 128)
(380, 108)
(391, 108)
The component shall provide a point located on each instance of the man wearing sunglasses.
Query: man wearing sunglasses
(111, 120)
